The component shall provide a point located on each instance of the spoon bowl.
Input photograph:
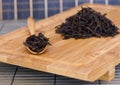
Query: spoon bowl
(36, 52)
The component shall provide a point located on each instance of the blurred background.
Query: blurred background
(39, 9)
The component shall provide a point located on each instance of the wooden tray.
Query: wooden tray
(85, 59)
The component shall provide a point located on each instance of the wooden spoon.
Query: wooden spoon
(31, 27)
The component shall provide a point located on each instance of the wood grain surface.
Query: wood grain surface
(85, 59)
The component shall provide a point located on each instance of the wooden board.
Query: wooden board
(85, 59)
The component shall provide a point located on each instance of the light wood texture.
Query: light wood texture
(15, 10)
(109, 75)
(31, 7)
(31, 25)
(85, 59)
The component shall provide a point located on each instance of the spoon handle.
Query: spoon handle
(31, 25)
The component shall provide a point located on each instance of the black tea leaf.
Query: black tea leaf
(87, 23)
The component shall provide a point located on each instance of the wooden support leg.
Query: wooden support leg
(109, 75)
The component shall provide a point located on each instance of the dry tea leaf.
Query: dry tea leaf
(37, 43)
(87, 23)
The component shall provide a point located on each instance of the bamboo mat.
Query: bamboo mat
(14, 75)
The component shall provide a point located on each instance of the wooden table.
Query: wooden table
(14, 75)
(99, 69)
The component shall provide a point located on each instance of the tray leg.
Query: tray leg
(109, 75)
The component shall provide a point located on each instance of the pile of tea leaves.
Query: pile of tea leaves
(87, 23)
(37, 43)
